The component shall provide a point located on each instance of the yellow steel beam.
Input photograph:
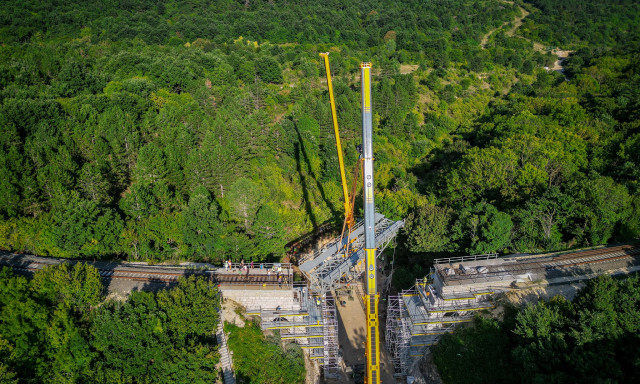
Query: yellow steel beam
(445, 322)
(301, 337)
(295, 326)
(373, 338)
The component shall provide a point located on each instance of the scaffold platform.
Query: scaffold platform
(314, 326)
(418, 317)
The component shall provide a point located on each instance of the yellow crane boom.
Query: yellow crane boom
(371, 299)
(348, 211)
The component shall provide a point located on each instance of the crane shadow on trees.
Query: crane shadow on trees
(301, 155)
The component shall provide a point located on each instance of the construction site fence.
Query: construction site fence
(250, 285)
(261, 266)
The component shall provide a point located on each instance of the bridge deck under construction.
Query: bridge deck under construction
(339, 260)
(460, 286)
(459, 274)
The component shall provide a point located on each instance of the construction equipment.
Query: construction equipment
(345, 258)
(348, 210)
(312, 319)
(373, 338)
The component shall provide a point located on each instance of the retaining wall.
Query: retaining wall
(268, 299)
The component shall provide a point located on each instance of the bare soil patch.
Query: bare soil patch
(408, 68)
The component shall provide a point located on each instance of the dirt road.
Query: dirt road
(352, 338)
(517, 22)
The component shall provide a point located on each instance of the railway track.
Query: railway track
(161, 275)
(555, 263)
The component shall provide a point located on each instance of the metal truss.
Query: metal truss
(339, 260)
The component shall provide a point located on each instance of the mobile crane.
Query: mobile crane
(372, 375)
(373, 338)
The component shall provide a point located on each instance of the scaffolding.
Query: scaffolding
(397, 335)
(418, 317)
(330, 339)
(314, 326)
(336, 266)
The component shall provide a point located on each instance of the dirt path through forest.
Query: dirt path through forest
(517, 22)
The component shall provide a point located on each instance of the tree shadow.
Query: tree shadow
(305, 191)
(301, 155)
(431, 172)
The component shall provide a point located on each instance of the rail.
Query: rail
(271, 275)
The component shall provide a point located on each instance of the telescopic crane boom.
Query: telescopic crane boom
(373, 338)
(348, 211)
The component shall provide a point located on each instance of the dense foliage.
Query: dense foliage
(258, 360)
(155, 130)
(57, 328)
(593, 339)
(359, 24)
(580, 23)
(209, 147)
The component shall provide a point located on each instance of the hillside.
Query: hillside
(201, 130)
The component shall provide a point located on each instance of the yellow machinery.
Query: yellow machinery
(371, 301)
(348, 211)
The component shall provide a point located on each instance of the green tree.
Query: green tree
(268, 229)
(603, 205)
(158, 338)
(201, 227)
(479, 354)
(268, 69)
(150, 166)
(45, 318)
(428, 229)
(245, 197)
(7, 375)
(78, 287)
(83, 228)
(258, 360)
(94, 184)
(544, 346)
(483, 229)
(543, 221)
(139, 202)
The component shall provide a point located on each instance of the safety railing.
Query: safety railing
(460, 259)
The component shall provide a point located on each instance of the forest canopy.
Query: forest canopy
(58, 327)
(201, 130)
